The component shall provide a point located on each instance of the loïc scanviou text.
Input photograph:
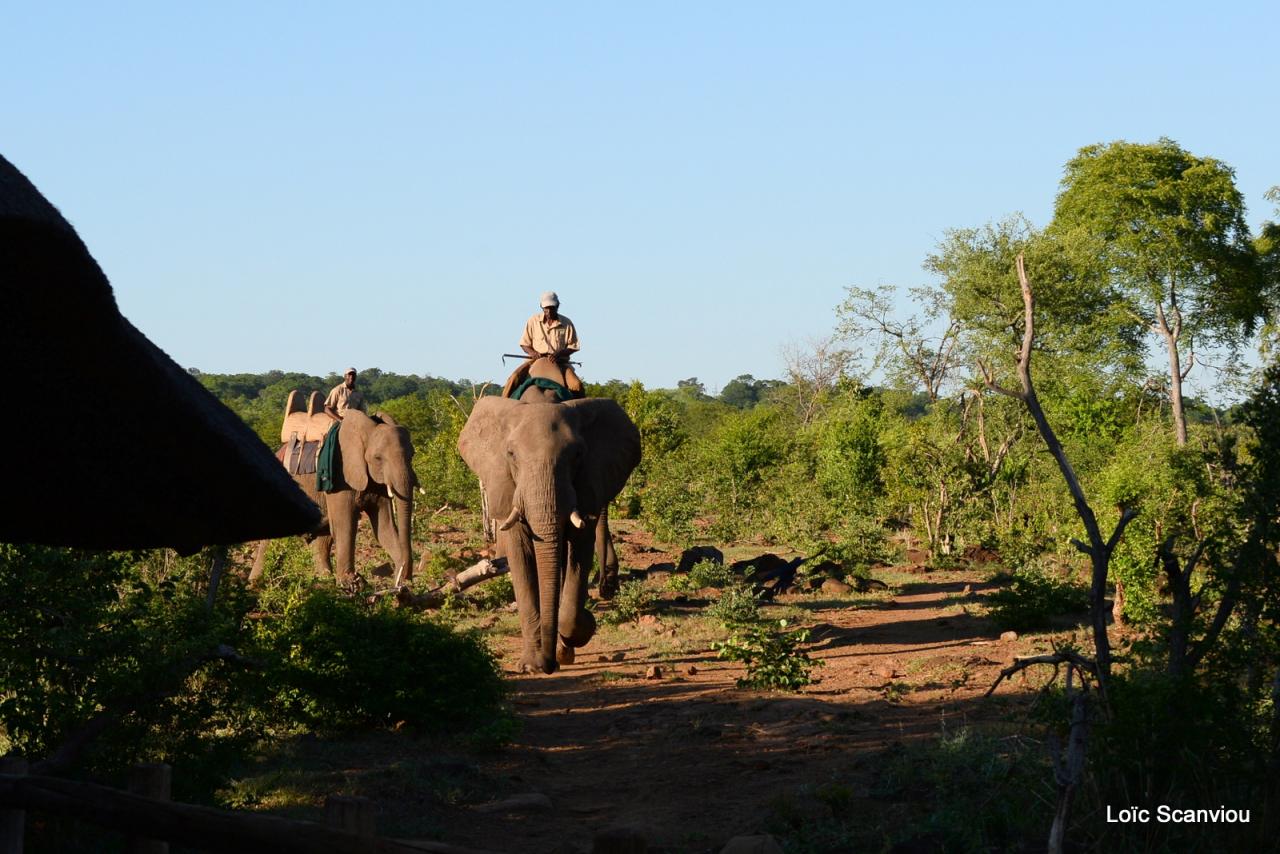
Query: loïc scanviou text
(1166, 814)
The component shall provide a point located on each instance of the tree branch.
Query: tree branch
(1058, 658)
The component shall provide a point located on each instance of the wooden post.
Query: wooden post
(352, 814)
(215, 574)
(151, 780)
(12, 822)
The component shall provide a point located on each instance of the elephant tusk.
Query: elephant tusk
(511, 519)
(576, 518)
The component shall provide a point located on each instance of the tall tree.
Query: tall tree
(1267, 244)
(1170, 231)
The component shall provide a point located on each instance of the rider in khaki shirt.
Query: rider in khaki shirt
(344, 396)
(551, 335)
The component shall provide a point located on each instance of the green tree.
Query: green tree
(745, 391)
(1169, 228)
(1267, 245)
(692, 387)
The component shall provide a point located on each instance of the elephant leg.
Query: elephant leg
(343, 519)
(576, 625)
(322, 554)
(606, 557)
(524, 579)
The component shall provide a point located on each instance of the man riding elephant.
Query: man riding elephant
(549, 340)
(551, 336)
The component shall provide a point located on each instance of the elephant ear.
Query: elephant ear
(482, 444)
(613, 451)
(353, 438)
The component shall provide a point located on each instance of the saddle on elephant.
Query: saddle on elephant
(303, 433)
(546, 375)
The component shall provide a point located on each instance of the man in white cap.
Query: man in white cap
(551, 335)
(344, 396)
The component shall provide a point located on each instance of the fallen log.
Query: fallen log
(437, 596)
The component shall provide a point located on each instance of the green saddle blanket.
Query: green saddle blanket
(561, 392)
(327, 459)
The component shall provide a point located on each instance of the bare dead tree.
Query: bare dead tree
(1068, 768)
(813, 370)
(904, 345)
(1098, 548)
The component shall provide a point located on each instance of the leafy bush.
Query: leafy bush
(1033, 597)
(493, 593)
(772, 656)
(669, 502)
(132, 632)
(850, 458)
(633, 599)
(339, 663)
(738, 605)
(977, 791)
(704, 573)
(87, 631)
(860, 544)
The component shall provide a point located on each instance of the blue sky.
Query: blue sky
(304, 186)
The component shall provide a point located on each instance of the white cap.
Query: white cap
(549, 300)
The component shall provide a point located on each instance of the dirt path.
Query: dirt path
(689, 760)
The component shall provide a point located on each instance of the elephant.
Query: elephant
(549, 472)
(118, 447)
(376, 478)
(554, 390)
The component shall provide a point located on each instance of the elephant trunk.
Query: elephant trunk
(546, 513)
(404, 536)
(548, 560)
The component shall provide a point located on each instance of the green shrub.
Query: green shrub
(669, 502)
(632, 600)
(738, 605)
(1033, 597)
(972, 791)
(494, 593)
(704, 573)
(772, 656)
(339, 663)
(860, 543)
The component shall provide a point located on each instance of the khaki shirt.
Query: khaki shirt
(549, 338)
(342, 398)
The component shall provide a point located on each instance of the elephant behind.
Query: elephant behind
(549, 472)
(376, 478)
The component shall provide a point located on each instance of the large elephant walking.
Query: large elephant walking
(549, 472)
(547, 385)
(375, 478)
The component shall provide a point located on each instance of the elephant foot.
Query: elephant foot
(531, 663)
(582, 631)
(608, 586)
(353, 584)
(564, 653)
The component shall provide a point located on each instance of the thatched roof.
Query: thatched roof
(106, 442)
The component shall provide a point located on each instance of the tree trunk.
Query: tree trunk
(1175, 372)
